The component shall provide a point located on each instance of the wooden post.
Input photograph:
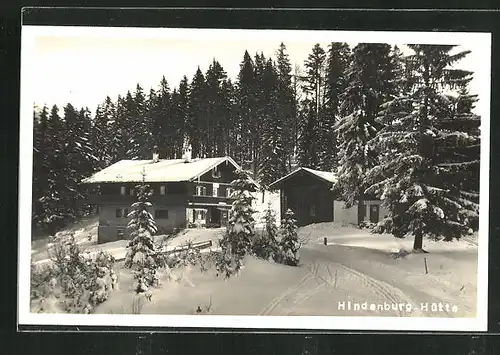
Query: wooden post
(324, 240)
(425, 263)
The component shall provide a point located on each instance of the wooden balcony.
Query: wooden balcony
(128, 200)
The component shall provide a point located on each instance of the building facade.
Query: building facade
(186, 193)
(307, 192)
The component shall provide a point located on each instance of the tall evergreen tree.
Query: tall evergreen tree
(161, 119)
(312, 107)
(197, 106)
(142, 255)
(286, 106)
(369, 85)
(102, 133)
(119, 141)
(245, 111)
(218, 112)
(272, 163)
(140, 126)
(236, 243)
(337, 64)
(429, 181)
(41, 169)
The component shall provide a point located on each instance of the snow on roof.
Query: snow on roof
(165, 170)
(324, 175)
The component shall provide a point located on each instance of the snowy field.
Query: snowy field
(354, 266)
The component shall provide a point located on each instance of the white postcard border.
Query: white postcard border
(480, 41)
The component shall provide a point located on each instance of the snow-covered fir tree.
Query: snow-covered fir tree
(337, 64)
(142, 256)
(289, 243)
(273, 162)
(428, 176)
(237, 241)
(370, 82)
(286, 106)
(265, 245)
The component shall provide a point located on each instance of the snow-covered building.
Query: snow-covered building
(186, 192)
(307, 192)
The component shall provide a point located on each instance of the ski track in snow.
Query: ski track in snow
(390, 293)
(302, 292)
(288, 292)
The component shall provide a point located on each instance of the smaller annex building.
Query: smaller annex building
(307, 192)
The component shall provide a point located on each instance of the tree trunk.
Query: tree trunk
(418, 243)
(361, 209)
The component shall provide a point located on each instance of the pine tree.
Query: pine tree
(286, 106)
(41, 169)
(240, 231)
(272, 163)
(180, 104)
(312, 107)
(142, 255)
(51, 202)
(119, 141)
(218, 112)
(369, 85)
(161, 119)
(335, 86)
(425, 179)
(245, 111)
(289, 244)
(140, 126)
(265, 246)
(102, 135)
(258, 113)
(196, 126)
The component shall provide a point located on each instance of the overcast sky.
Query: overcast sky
(83, 68)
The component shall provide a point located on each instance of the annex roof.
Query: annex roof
(326, 176)
(165, 170)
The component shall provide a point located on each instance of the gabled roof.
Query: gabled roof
(326, 176)
(165, 170)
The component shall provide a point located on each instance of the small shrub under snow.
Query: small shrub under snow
(74, 282)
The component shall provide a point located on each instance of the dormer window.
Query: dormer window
(216, 173)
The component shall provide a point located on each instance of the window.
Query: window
(201, 190)
(312, 210)
(119, 233)
(122, 190)
(132, 192)
(163, 190)
(161, 214)
(121, 212)
(229, 191)
(216, 173)
(201, 214)
(215, 190)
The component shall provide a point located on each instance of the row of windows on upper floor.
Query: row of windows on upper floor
(160, 213)
(199, 191)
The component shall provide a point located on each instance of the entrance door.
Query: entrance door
(374, 213)
(215, 216)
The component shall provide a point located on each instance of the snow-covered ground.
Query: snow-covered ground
(354, 266)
